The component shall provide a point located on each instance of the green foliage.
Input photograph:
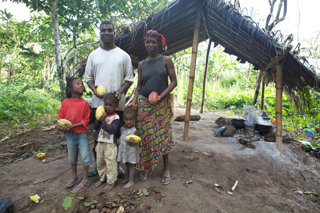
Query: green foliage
(225, 79)
(143, 192)
(21, 102)
(227, 87)
(92, 204)
(67, 203)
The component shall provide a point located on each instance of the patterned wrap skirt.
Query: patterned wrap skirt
(155, 131)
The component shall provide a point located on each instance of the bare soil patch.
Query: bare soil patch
(268, 181)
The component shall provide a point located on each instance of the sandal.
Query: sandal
(81, 186)
(166, 180)
(72, 182)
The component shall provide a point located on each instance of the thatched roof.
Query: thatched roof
(225, 26)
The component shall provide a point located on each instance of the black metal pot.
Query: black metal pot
(262, 128)
(238, 123)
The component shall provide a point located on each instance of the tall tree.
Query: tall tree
(276, 19)
(50, 7)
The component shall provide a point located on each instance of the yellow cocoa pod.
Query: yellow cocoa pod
(41, 155)
(136, 138)
(101, 91)
(62, 122)
(99, 112)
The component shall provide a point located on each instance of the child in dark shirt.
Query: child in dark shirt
(106, 135)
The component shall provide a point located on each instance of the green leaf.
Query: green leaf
(64, 193)
(80, 198)
(145, 192)
(313, 145)
(140, 192)
(92, 206)
(67, 203)
(94, 201)
(73, 191)
(87, 203)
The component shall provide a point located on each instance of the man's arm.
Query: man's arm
(128, 77)
(92, 86)
(123, 89)
(89, 74)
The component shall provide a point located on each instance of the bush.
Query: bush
(20, 104)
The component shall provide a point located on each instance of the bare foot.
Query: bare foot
(128, 185)
(99, 183)
(108, 187)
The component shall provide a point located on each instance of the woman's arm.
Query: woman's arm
(169, 68)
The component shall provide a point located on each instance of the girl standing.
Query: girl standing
(128, 151)
(154, 111)
(76, 110)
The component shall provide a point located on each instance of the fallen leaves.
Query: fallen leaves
(22, 145)
(207, 154)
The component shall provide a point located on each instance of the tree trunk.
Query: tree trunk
(248, 77)
(75, 53)
(55, 25)
(205, 76)
(258, 84)
(263, 90)
(43, 76)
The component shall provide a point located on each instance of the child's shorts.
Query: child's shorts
(78, 143)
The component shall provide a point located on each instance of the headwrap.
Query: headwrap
(158, 36)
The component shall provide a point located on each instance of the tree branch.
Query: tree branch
(278, 19)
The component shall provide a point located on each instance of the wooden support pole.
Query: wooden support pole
(279, 89)
(205, 76)
(258, 84)
(263, 89)
(192, 72)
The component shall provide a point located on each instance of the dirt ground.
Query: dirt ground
(268, 181)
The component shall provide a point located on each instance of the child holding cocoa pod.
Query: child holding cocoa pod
(77, 111)
(128, 150)
(106, 136)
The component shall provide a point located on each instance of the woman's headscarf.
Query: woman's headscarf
(158, 36)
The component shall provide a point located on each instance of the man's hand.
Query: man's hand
(94, 90)
(117, 94)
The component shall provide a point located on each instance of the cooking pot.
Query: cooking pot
(238, 123)
(262, 128)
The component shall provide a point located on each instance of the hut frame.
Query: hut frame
(186, 23)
